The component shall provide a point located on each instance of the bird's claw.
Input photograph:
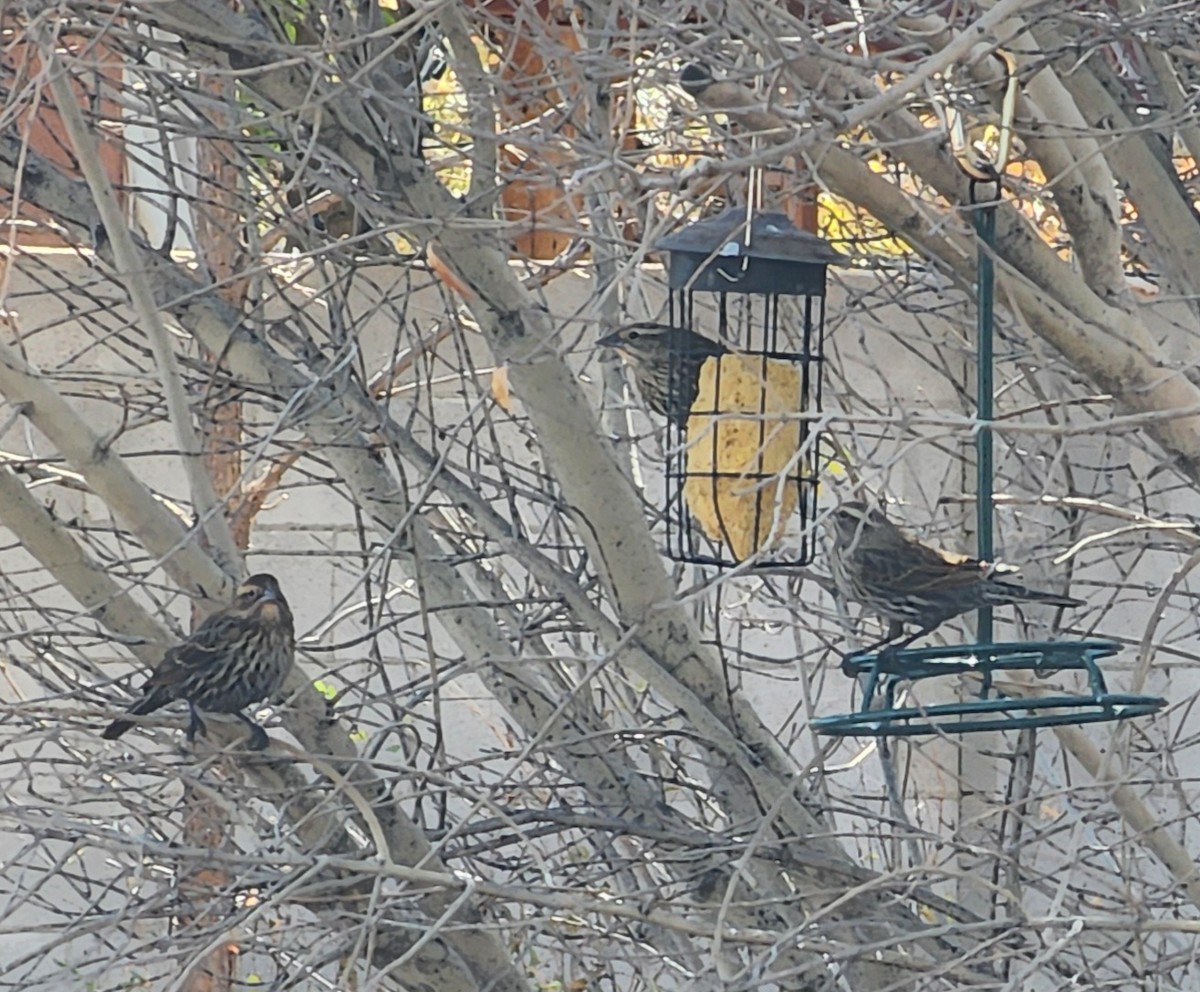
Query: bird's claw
(258, 740)
(195, 726)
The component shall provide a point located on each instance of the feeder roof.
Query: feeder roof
(772, 236)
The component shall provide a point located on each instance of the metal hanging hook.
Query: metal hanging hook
(971, 159)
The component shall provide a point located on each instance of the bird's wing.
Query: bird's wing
(193, 654)
(922, 569)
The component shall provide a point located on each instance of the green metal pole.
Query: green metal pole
(985, 224)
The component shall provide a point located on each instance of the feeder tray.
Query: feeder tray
(884, 671)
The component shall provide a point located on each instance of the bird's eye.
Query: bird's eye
(633, 335)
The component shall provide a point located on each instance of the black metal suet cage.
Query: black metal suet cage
(756, 283)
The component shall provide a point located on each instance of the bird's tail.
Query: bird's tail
(1008, 592)
(147, 704)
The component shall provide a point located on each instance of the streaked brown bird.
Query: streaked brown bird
(237, 656)
(666, 364)
(895, 577)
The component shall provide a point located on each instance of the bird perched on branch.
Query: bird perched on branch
(737, 101)
(236, 657)
(666, 364)
(897, 578)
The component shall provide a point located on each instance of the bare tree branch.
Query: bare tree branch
(210, 515)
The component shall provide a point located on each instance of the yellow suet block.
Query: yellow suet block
(741, 471)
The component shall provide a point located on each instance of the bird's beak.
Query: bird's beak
(270, 604)
(610, 341)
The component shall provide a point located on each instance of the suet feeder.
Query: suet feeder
(742, 464)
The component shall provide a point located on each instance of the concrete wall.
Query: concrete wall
(899, 358)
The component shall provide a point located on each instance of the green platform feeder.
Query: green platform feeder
(884, 674)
